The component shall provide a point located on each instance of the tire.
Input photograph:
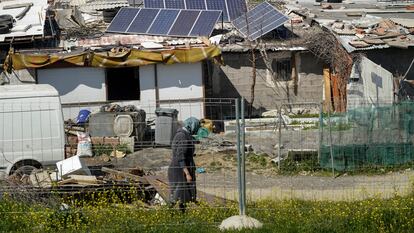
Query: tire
(24, 170)
(25, 166)
(4, 29)
(7, 20)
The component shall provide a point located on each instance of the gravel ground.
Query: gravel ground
(223, 182)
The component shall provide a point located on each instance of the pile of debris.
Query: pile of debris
(113, 131)
(74, 178)
(374, 32)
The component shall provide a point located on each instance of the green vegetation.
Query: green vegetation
(260, 160)
(215, 165)
(305, 115)
(299, 163)
(107, 149)
(109, 213)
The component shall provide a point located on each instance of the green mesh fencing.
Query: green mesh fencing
(368, 136)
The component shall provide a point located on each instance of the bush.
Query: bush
(115, 215)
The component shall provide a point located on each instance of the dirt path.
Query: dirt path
(309, 187)
(223, 182)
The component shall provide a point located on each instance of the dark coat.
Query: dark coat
(182, 156)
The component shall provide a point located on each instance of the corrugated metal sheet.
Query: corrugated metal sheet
(92, 5)
(244, 48)
(349, 48)
(116, 39)
(408, 23)
(31, 24)
(103, 4)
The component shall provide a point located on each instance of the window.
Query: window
(122, 84)
(282, 69)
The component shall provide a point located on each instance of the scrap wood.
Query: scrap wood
(387, 24)
(373, 41)
(80, 179)
(162, 187)
(70, 132)
(85, 179)
(125, 174)
(40, 179)
(389, 35)
(359, 44)
(398, 44)
(118, 154)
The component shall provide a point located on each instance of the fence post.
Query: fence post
(239, 179)
(241, 221)
(320, 131)
(243, 158)
(330, 142)
(279, 148)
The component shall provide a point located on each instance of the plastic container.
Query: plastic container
(83, 116)
(208, 124)
(165, 125)
(123, 125)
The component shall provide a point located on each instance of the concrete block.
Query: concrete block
(240, 222)
(128, 141)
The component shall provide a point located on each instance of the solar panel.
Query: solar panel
(143, 20)
(154, 4)
(195, 4)
(184, 23)
(259, 21)
(236, 8)
(231, 8)
(165, 22)
(123, 19)
(205, 21)
(218, 5)
(174, 4)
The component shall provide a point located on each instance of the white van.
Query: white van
(31, 128)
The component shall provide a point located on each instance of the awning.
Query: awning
(113, 58)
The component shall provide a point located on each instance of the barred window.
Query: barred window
(282, 69)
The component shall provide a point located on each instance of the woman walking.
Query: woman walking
(181, 172)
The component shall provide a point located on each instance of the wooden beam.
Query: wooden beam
(125, 174)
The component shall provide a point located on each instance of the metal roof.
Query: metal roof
(114, 39)
(345, 40)
(103, 4)
(408, 23)
(93, 5)
(31, 24)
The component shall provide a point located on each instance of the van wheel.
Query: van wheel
(25, 167)
(24, 170)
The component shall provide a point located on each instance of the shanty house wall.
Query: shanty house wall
(180, 86)
(235, 78)
(395, 60)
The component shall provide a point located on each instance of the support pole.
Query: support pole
(279, 148)
(243, 156)
(330, 142)
(239, 176)
(320, 131)
(241, 221)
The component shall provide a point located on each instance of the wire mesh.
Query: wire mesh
(288, 151)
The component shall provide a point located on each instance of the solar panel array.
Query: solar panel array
(231, 8)
(260, 20)
(164, 22)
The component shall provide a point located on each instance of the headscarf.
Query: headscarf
(192, 124)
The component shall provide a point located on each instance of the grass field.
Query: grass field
(108, 213)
